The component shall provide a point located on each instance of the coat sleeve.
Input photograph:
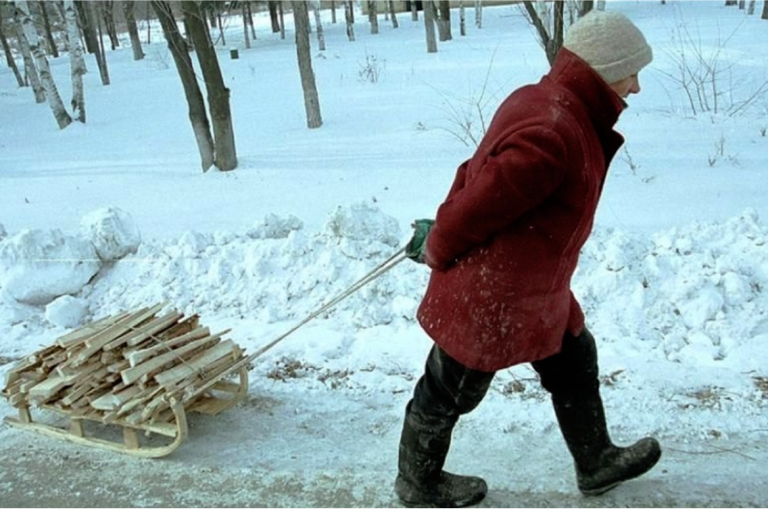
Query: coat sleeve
(526, 169)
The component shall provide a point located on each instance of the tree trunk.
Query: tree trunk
(429, 24)
(601, 5)
(250, 20)
(225, 155)
(9, 55)
(349, 17)
(272, 6)
(551, 43)
(764, 16)
(246, 35)
(751, 8)
(303, 51)
(586, 6)
(319, 25)
(51, 92)
(414, 11)
(282, 20)
(333, 12)
(47, 27)
(393, 14)
(76, 61)
(373, 16)
(91, 39)
(479, 14)
(742, 5)
(30, 69)
(195, 102)
(107, 9)
(444, 22)
(133, 29)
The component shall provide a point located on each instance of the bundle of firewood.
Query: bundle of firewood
(129, 367)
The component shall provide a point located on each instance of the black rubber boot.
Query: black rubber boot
(421, 481)
(600, 465)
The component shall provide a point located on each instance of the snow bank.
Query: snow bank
(36, 266)
(695, 294)
(692, 293)
(112, 232)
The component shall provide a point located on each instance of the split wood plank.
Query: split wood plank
(149, 331)
(195, 365)
(139, 356)
(88, 330)
(102, 339)
(131, 375)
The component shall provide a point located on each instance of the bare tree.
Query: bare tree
(462, 19)
(8, 54)
(133, 30)
(89, 26)
(429, 24)
(392, 13)
(552, 42)
(48, 31)
(225, 155)
(319, 25)
(77, 63)
(273, 16)
(751, 8)
(350, 19)
(444, 21)
(479, 14)
(29, 63)
(303, 51)
(373, 16)
(246, 35)
(51, 92)
(195, 102)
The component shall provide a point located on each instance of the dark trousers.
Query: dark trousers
(449, 389)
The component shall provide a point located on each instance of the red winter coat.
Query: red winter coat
(506, 240)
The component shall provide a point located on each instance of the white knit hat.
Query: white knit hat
(610, 43)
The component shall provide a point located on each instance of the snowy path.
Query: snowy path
(268, 452)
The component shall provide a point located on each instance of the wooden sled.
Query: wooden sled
(142, 372)
(222, 395)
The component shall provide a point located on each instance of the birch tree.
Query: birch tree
(429, 25)
(76, 61)
(319, 25)
(51, 92)
(225, 155)
(133, 29)
(8, 54)
(48, 31)
(350, 20)
(197, 116)
(30, 69)
(303, 51)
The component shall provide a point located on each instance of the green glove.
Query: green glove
(417, 246)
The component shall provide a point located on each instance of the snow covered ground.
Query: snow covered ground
(116, 215)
